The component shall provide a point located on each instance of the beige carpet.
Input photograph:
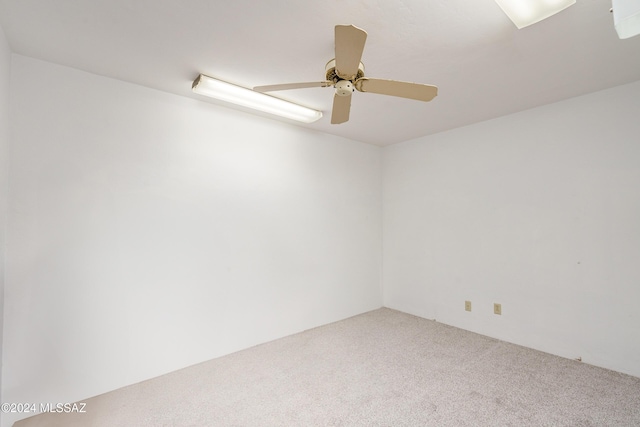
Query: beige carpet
(382, 368)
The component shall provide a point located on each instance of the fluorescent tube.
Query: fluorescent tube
(526, 12)
(214, 88)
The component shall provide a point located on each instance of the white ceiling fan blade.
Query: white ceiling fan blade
(417, 91)
(341, 109)
(287, 86)
(350, 42)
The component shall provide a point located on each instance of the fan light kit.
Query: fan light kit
(526, 12)
(626, 17)
(345, 73)
(214, 88)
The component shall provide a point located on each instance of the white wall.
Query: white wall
(148, 232)
(5, 73)
(538, 211)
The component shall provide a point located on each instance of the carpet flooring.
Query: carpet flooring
(382, 368)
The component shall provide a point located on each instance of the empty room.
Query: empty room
(347, 213)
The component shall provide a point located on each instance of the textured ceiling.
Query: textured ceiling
(484, 67)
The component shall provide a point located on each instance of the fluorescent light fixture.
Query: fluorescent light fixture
(526, 12)
(214, 88)
(626, 17)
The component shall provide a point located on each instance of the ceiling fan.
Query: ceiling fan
(346, 73)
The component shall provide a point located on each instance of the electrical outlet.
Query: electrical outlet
(467, 305)
(497, 308)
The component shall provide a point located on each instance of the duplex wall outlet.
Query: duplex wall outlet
(497, 308)
(467, 305)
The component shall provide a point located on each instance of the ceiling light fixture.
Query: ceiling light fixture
(214, 88)
(526, 12)
(626, 17)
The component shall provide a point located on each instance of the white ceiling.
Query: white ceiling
(484, 67)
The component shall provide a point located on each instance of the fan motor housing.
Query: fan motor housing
(332, 75)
